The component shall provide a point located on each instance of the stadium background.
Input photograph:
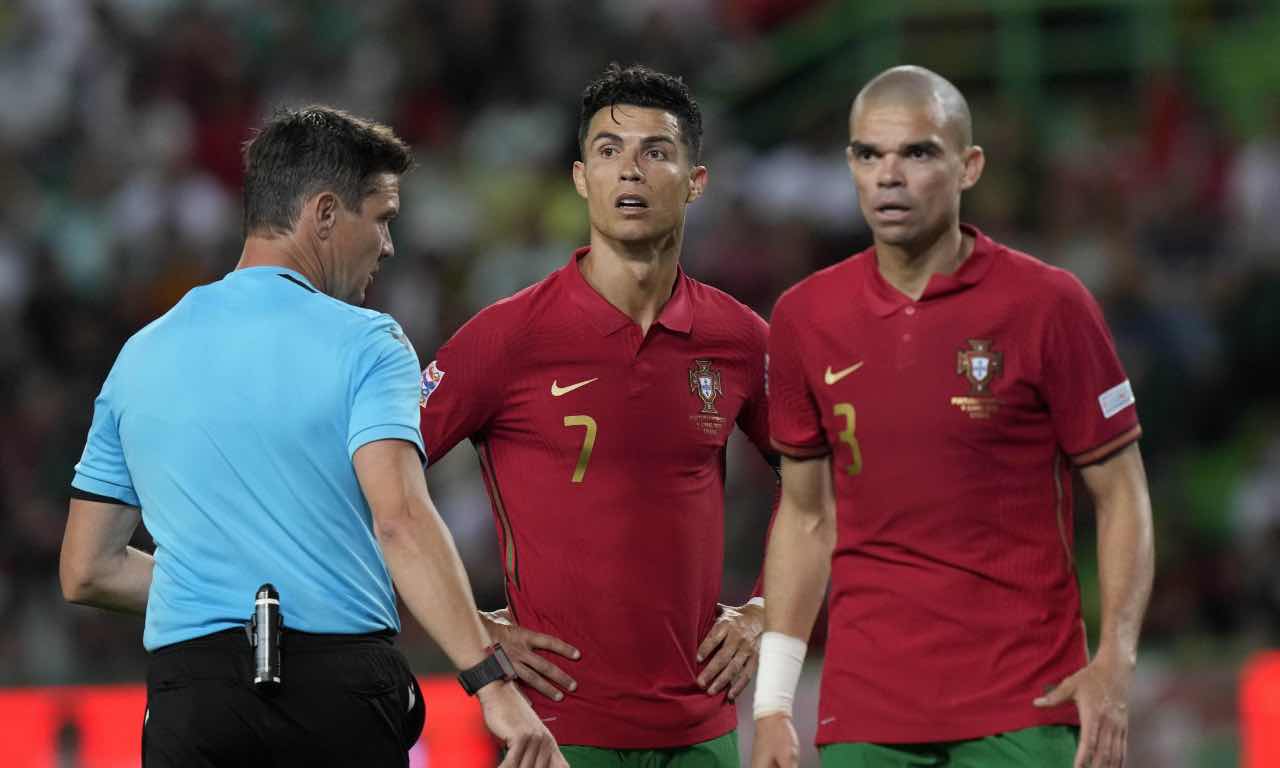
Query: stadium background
(1135, 143)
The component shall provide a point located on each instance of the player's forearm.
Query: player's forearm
(1126, 562)
(757, 590)
(1126, 556)
(118, 582)
(797, 567)
(432, 582)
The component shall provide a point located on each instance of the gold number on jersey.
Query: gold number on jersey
(850, 423)
(588, 443)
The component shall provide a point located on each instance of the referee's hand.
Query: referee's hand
(533, 668)
(509, 717)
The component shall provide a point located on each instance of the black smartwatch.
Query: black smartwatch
(495, 667)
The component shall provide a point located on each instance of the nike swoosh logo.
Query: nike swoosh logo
(557, 390)
(831, 377)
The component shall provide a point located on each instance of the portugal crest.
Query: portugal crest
(980, 365)
(704, 381)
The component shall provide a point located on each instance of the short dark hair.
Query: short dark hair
(299, 153)
(639, 86)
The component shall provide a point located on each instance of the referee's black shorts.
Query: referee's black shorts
(345, 700)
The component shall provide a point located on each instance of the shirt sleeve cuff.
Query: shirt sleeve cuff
(800, 451)
(1108, 449)
(386, 432)
(123, 494)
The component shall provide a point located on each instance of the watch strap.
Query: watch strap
(496, 666)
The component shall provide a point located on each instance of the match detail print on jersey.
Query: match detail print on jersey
(557, 391)
(831, 377)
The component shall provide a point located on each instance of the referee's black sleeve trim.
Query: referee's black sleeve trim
(76, 493)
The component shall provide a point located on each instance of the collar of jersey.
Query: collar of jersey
(884, 299)
(273, 270)
(676, 315)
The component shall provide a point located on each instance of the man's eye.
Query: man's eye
(607, 151)
(657, 154)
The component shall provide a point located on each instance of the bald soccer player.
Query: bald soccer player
(931, 396)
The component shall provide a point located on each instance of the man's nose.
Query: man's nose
(631, 170)
(889, 171)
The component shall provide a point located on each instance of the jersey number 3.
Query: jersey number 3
(846, 436)
(588, 443)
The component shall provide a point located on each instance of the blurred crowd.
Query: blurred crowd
(120, 129)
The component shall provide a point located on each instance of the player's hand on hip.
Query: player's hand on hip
(533, 668)
(512, 721)
(775, 744)
(1101, 694)
(733, 647)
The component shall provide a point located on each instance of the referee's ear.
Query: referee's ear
(322, 211)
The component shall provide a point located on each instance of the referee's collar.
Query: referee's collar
(676, 314)
(292, 275)
(884, 299)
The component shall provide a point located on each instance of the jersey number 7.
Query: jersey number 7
(588, 443)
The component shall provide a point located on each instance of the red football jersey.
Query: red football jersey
(952, 424)
(604, 455)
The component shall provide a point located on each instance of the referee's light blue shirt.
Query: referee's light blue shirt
(231, 421)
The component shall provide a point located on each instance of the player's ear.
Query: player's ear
(323, 211)
(698, 179)
(974, 161)
(580, 178)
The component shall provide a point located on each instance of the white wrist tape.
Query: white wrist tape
(781, 659)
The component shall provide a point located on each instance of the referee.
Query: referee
(266, 431)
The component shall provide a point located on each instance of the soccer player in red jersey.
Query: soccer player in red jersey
(930, 397)
(600, 401)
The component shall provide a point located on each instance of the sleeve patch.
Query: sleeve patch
(431, 377)
(1116, 399)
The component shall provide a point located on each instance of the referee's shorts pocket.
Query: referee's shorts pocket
(416, 715)
(388, 681)
(412, 704)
